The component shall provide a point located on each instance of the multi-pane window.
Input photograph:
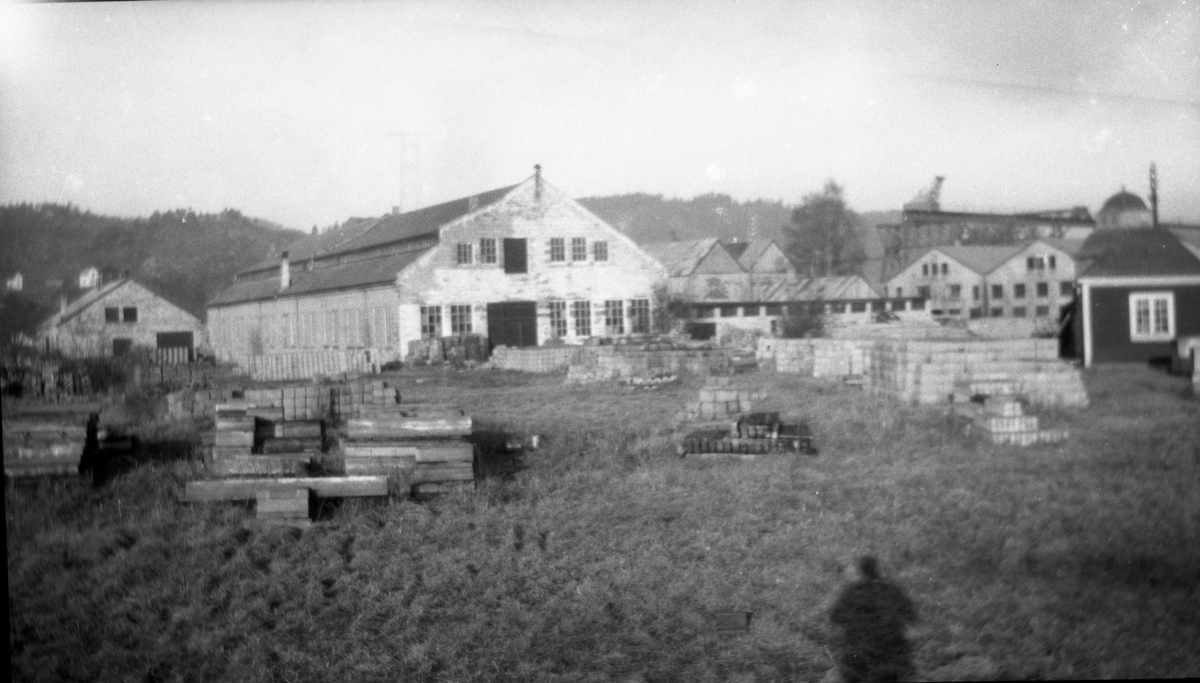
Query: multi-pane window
(600, 250)
(465, 254)
(558, 249)
(975, 313)
(558, 318)
(112, 315)
(431, 322)
(1019, 291)
(1066, 288)
(1043, 289)
(581, 311)
(1152, 316)
(129, 314)
(331, 328)
(487, 250)
(614, 317)
(750, 311)
(377, 326)
(997, 291)
(460, 319)
(639, 316)
(578, 249)
(353, 327)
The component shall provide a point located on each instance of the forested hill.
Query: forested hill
(185, 256)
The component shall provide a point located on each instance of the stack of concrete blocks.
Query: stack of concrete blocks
(345, 399)
(816, 357)
(926, 372)
(614, 362)
(233, 436)
(1001, 418)
(543, 359)
(719, 401)
(421, 448)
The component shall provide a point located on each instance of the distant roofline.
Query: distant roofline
(1025, 217)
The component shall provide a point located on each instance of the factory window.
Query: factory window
(1066, 288)
(1019, 291)
(460, 319)
(751, 311)
(129, 314)
(431, 322)
(1043, 289)
(558, 249)
(945, 269)
(997, 291)
(923, 292)
(112, 315)
(578, 249)
(487, 250)
(858, 306)
(774, 309)
(955, 291)
(1053, 262)
(558, 318)
(975, 292)
(600, 250)
(925, 269)
(465, 254)
(1018, 312)
(729, 311)
(614, 317)
(1151, 316)
(639, 316)
(582, 312)
(996, 312)
(1041, 311)
(976, 313)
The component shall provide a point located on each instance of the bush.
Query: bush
(802, 325)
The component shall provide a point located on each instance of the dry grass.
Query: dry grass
(604, 557)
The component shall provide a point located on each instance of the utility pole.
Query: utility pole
(411, 171)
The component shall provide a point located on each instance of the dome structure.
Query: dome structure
(1124, 210)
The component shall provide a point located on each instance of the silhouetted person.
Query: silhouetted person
(873, 615)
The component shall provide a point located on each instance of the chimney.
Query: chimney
(285, 272)
(395, 210)
(537, 181)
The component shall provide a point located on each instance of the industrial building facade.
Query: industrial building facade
(522, 265)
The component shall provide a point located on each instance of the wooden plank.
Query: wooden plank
(235, 424)
(234, 439)
(442, 472)
(261, 465)
(40, 468)
(324, 487)
(65, 450)
(408, 427)
(422, 451)
(68, 411)
(287, 430)
(292, 445)
(386, 466)
(14, 427)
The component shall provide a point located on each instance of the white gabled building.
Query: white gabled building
(522, 265)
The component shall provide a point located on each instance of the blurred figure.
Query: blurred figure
(873, 614)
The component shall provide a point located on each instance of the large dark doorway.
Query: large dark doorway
(512, 323)
(516, 259)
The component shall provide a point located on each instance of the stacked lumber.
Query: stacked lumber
(718, 400)
(421, 447)
(36, 448)
(241, 437)
(283, 507)
(750, 436)
(1000, 418)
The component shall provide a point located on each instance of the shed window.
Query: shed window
(112, 315)
(431, 322)
(1151, 316)
(639, 316)
(581, 311)
(487, 250)
(578, 248)
(600, 250)
(558, 250)
(558, 318)
(129, 314)
(1043, 289)
(460, 319)
(1019, 291)
(465, 255)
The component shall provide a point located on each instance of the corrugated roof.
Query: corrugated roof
(367, 272)
(1136, 252)
(681, 258)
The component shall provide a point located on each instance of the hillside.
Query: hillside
(187, 257)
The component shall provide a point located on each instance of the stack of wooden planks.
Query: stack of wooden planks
(254, 441)
(750, 436)
(42, 440)
(420, 447)
(286, 501)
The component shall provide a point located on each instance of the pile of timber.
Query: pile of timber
(420, 447)
(253, 441)
(750, 436)
(45, 440)
(284, 502)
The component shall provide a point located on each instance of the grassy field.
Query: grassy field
(603, 556)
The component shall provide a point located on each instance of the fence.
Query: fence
(308, 364)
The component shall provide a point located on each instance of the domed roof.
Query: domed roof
(1124, 201)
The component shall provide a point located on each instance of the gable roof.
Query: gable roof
(827, 288)
(92, 296)
(362, 273)
(683, 258)
(1137, 252)
(748, 253)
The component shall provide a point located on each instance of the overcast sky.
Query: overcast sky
(309, 113)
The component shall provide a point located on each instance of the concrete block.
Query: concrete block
(1006, 425)
(1004, 407)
